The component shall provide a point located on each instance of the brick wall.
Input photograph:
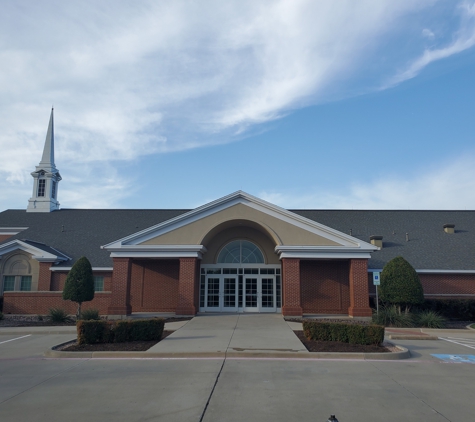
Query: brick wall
(4, 237)
(325, 287)
(58, 278)
(435, 285)
(38, 303)
(291, 305)
(154, 285)
(359, 300)
(188, 287)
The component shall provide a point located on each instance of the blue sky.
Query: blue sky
(307, 104)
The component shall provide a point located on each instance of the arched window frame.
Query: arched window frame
(230, 248)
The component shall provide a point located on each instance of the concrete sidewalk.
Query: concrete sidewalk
(208, 334)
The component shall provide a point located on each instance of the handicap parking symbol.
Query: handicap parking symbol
(456, 358)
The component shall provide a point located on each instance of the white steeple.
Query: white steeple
(46, 177)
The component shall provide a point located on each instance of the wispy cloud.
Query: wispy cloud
(450, 186)
(463, 39)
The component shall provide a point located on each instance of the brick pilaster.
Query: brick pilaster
(44, 277)
(120, 287)
(359, 299)
(188, 287)
(291, 287)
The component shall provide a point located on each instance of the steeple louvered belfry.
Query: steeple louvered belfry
(46, 177)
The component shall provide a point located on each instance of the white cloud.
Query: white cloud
(128, 80)
(427, 33)
(463, 40)
(450, 186)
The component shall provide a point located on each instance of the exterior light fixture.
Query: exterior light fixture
(332, 419)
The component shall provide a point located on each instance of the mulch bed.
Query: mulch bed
(132, 346)
(336, 346)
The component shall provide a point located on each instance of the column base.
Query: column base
(360, 312)
(119, 310)
(292, 311)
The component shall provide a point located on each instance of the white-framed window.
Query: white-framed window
(17, 282)
(41, 187)
(8, 283)
(240, 252)
(98, 283)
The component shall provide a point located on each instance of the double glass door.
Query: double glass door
(239, 293)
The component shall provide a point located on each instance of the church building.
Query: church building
(235, 254)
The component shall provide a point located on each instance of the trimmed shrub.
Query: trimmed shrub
(79, 284)
(139, 330)
(389, 316)
(430, 319)
(58, 315)
(91, 332)
(90, 314)
(400, 284)
(345, 333)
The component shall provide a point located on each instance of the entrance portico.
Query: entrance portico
(241, 254)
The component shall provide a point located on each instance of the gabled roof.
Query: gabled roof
(334, 243)
(39, 251)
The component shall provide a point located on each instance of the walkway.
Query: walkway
(208, 334)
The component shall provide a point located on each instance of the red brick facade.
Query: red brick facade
(39, 303)
(359, 300)
(154, 285)
(188, 287)
(44, 277)
(291, 287)
(324, 287)
(120, 298)
(4, 237)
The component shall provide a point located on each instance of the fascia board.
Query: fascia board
(36, 253)
(11, 230)
(327, 255)
(157, 254)
(434, 271)
(321, 249)
(229, 201)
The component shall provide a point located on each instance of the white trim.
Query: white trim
(228, 201)
(372, 270)
(158, 251)
(93, 269)
(36, 253)
(11, 230)
(315, 252)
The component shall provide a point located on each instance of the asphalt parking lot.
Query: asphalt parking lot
(422, 388)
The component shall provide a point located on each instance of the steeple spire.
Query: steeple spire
(45, 177)
(48, 151)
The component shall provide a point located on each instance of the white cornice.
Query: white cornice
(435, 271)
(93, 269)
(36, 253)
(158, 251)
(322, 252)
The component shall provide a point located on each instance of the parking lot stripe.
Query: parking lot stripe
(18, 338)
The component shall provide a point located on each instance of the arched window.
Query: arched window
(240, 252)
(17, 274)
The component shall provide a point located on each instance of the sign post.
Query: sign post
(376, 282)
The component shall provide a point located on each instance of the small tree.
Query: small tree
(79, 285)
(400, 284)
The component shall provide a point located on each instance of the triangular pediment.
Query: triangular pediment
(38, 251)
(287, 229)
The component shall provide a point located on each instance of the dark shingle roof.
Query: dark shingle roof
(78, 232)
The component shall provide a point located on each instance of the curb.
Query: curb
(38, 332)
(413, 337)
(403, 353)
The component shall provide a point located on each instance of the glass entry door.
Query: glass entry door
(251, 297)
(221, 294)
(259, 294)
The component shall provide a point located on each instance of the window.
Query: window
(9, 283)
(98, 283)
(53, 189)
(41, 187)
(240, 252)
(25, 283)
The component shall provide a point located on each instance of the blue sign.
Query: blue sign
(376, 279)
(456, 358)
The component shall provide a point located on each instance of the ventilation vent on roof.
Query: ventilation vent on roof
(376, 241)
(449, 228)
